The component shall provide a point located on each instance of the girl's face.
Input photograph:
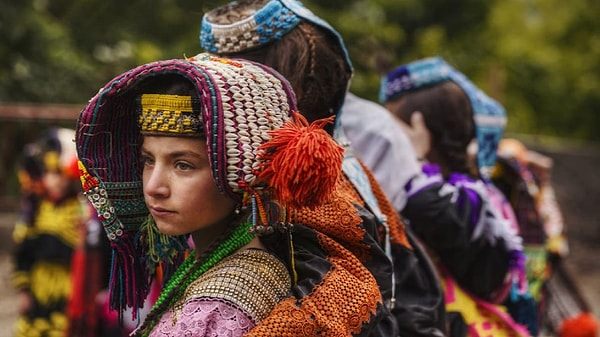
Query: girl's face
(179, 189)
(56, 184)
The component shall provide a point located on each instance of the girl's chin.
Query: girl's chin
(169, 230)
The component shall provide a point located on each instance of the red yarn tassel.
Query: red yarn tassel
(583, 325)
(301, 162)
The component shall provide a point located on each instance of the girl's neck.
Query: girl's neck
(206, 237)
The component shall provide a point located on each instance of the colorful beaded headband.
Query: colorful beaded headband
(489, 116)
(266, 25)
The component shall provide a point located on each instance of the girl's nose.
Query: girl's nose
(156, 182)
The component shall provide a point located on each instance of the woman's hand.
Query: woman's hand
(419, 135)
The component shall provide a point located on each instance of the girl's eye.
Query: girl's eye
(183, 166)
(146, 160)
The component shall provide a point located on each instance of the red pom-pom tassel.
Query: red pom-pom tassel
(72, 170)
(583, 325)
(301, 162)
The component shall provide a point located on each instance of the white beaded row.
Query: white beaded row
(252, 106)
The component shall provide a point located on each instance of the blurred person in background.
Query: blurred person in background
(525, 177)
(465, 222)
(61, 254)
(51, 216)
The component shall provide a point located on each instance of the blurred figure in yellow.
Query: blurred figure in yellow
(52, 213)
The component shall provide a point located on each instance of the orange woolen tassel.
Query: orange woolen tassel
(301, 162)
(583, 325)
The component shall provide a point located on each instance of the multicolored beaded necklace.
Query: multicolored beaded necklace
(186, 273)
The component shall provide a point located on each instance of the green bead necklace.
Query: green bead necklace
(239, 237)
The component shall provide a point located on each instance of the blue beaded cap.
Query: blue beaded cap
(489, 116)
(268, 24)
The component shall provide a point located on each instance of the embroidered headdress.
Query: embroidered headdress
(271, 20)
(489, 116)
(255, 141)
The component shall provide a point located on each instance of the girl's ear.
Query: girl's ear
(418, 133)
(472, 150)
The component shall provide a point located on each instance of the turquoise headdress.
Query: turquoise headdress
(488, 115)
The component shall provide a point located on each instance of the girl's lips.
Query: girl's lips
(160, 212)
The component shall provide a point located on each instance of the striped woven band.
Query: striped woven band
(169, 115)
(258, 27)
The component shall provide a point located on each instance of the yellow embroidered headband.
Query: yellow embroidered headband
(169, 115)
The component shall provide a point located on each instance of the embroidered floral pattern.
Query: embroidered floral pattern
(205, 317)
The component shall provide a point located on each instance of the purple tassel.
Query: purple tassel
(128, 280)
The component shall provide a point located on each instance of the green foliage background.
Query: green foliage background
(540, 58)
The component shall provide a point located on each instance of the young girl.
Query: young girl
(223, 158)
(453, 208)
(287, 36)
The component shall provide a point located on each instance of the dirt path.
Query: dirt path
(7, 294)
(577, 185)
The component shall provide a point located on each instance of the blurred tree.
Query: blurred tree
(39, 61)
(550, 54)
(62, 51)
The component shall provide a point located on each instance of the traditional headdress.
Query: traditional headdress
(488, 115)
(267, 24)
(258, 147)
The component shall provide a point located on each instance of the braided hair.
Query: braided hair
(448, 116)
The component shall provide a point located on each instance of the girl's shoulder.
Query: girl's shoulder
(230, 298)
(253, 280)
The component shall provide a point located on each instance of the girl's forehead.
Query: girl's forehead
(173, 144)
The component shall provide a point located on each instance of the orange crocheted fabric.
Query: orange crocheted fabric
(346, 298)
(397, 226)
(338, 219)
(395, 223)
(348, 295)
